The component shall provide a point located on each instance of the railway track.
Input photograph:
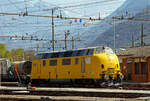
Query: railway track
(75, 93)
(87, 92)
(9, 84)
(126, 86)
(11, 93)
(59, 98)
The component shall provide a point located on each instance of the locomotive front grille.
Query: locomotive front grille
(110, 70)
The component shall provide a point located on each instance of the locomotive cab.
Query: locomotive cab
(109, 66)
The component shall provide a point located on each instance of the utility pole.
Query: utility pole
(132, 40)
(114, 35)
(66, 35)
(99, 15)
(142, 35)
(65, 41)
(72, 42)
(53, 38)
(37, 49)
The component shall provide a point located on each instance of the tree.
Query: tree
(8, 55)
(2, 50)
(17, 54)
(29, 55)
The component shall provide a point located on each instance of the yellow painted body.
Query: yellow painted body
(88, 67)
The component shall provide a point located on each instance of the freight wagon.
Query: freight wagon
(4, 66)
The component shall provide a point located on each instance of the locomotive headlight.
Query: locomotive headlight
(118, 72)
(102, 66)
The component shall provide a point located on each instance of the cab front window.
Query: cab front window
(99, 50)
(109, 50)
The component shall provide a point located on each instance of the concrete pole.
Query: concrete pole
(53, 38)
(114, 26)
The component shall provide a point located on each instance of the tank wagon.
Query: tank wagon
(20, 69)
(98, 65)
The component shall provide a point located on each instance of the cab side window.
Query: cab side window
(66, 61)
(44, 63)
(53, 62)
(76, 60)
(99, 50)
(90, 51)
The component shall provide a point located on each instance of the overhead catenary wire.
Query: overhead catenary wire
(130, 18)
(34, 15)
(32, 38)
(75, 6)
(87, 19)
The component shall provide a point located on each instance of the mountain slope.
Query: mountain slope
(103, 33)
(41, 27)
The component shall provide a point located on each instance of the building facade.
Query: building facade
(135, 64)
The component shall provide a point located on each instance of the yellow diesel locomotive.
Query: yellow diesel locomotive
(97, 64)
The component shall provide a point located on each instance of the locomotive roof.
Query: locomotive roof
(73, 49)
(67, 53)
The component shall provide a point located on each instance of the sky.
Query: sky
(80, 8)
(93, 8)
(72, 8)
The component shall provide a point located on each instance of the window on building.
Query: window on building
(53, 62)
(76, 60)
(66, 61)
(129, 66)
(144, 67)
(137, 68)
(44, 62)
